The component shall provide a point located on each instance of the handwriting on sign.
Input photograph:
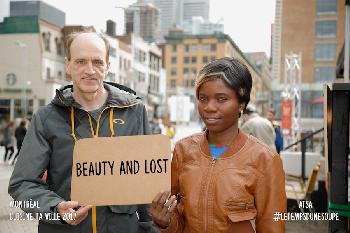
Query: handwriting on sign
(129, 167)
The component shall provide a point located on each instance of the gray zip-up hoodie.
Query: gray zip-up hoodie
(48, 146)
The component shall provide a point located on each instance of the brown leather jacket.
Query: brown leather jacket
(222, 195)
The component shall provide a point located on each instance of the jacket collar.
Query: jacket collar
(235, 146)
(117, 97)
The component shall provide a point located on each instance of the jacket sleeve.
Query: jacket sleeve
(26, 183)
(270, 197)
(176, 221)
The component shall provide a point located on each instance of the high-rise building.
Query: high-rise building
(179, 13)
(38, 8)
(316, 30)
(171, 14)
(143, 19)
(195, 8)
(198, 25)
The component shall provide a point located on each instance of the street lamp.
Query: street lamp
(24, 82)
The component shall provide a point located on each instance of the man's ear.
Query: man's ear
(67, 65)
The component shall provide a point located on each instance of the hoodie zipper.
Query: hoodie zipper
(213, 162)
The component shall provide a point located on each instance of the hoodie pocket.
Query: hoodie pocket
(123, 209)
(238, 211)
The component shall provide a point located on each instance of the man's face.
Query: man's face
(270, 116)
(87, 66)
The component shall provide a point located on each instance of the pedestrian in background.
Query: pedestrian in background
(20, 132)
(9, 140)
(259, 127)
(271, 116)
(222, 179)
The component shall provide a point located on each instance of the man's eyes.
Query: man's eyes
(94, 62)
(80, 62)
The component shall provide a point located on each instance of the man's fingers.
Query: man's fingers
(66, 205)
(82, 211)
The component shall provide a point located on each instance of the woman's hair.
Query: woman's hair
(232, 71)
(23, 123)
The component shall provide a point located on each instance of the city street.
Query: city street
(182, 130)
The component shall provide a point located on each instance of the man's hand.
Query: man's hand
(66, 208)
(161, 208)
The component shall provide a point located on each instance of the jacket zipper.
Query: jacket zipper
(213, 162)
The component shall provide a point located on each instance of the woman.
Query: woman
(222, 179)
(9, 140)
(19, 134)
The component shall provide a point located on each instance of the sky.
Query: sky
(248, 22)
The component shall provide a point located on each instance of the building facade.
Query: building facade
(185, 55)
(315, 29)
(144, 72)
(262, 64)
(32, 65)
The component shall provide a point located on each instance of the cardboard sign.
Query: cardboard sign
(120, 170)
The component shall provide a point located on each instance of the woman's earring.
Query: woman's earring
(240, 113)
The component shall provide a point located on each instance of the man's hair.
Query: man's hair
(72, 36)
(272, 110)
(233, 72)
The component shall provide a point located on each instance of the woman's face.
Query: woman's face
(218, 106)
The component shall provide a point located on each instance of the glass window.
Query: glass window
(187, 48)
(173, 71)
(324, 74)
(212, 58)
(194, 71)
(113, 52)
(213, 47)
(173, 83)
(326, 28)
(186, 60)
(194, 60)
(206, 48)
(173, 60)
(174, 47)
(205, 60)
(193, 82)
(186, 72)
(325, 52)
(193, 48)
(326, 6)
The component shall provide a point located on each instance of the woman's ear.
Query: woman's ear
(241, 107)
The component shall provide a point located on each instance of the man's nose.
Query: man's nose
(90, 68)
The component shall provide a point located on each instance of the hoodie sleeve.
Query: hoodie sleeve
(144, 128)
(26, 182)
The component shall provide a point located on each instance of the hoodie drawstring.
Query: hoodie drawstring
(94, 134)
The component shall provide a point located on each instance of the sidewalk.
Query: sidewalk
(7, 225)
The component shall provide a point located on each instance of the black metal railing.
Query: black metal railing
(303, 149)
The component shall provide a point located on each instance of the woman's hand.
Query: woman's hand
(161, 208)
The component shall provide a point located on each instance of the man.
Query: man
(258, 126)
(88, 108)
(271, 116)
